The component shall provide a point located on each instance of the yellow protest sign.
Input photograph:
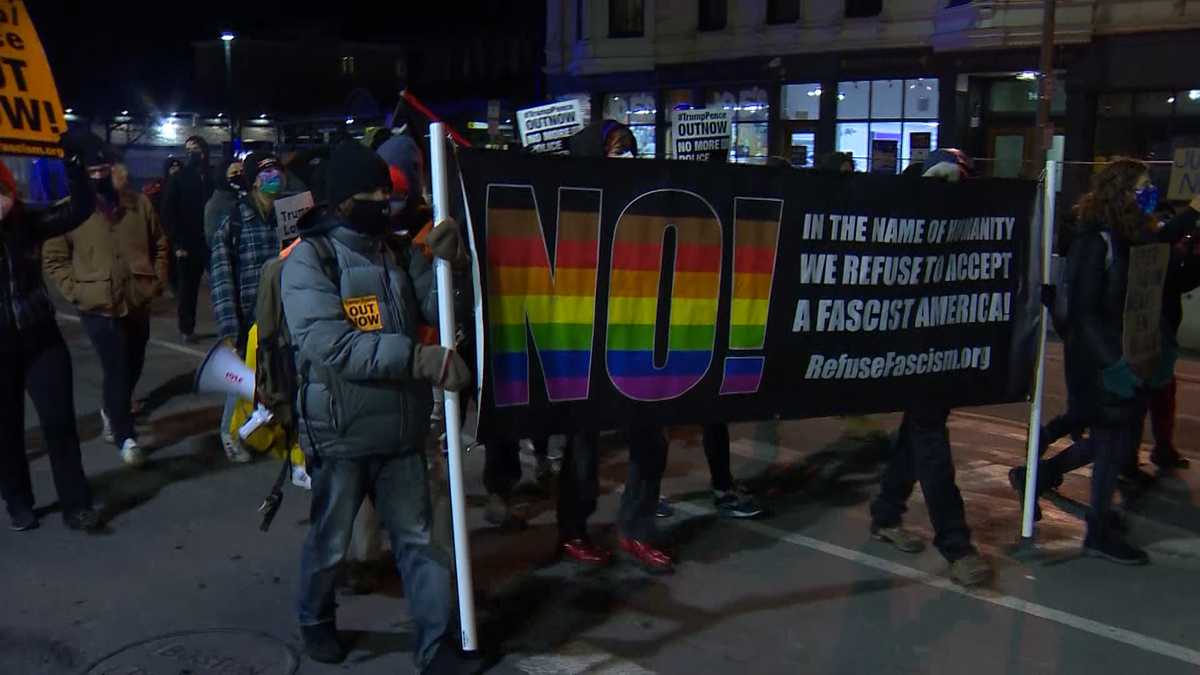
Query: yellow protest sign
(363, 312)
(31, 116)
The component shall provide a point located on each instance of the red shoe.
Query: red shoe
(651, 559)
(584, 551)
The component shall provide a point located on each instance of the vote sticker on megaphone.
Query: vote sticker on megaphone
(223, 372)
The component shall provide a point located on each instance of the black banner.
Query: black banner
(784, 294)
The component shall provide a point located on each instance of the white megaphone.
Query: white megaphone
(223, 372)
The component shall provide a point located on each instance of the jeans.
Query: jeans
(579, 483)
(922, 454)
(121, 344)
(398, 486)
(1162, 416)
(502, 464)
(1114, 447)
(716, 451)
(189, 271)
(38, 360)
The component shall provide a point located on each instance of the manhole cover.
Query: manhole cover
(201, 652)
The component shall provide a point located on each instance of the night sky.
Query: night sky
(109, 55)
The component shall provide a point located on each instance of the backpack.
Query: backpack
(1057, 294)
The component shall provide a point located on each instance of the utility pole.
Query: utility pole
(1044, 132)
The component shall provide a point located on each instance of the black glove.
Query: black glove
(446, 243)
(80, 146)
(443, 367)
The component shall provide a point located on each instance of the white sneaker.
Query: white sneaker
(106, 433)
(131, 454)
(300, 478)
(234, 450)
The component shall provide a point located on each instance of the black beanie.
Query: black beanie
(354, 168)
(255, 162)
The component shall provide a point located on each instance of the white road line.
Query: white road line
(154, 341)
(1128, 637)
(579, 657)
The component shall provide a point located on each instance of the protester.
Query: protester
(186, 195)
(224, 198)
(1105, 395)
(365, 401)
(111, 268)
(836, 162)
(246, 239)
(922, 454)
(502, 473)
(578, 480)
(36, 356)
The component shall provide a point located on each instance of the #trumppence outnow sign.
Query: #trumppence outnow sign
(672, 293)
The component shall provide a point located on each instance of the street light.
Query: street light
(227, 38)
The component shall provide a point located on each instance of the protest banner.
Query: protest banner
(546, 128)
(1141, 331)
(1185, 175)
(31, 116)
(702, 135)
(616, 293)
(288, 211)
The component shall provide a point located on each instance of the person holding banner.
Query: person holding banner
(365, 400)
(111, 268)
(247, 238)
(922, 454)
(36, 356)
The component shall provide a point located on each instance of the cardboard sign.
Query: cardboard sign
(702, 135)
(546, 128)
(363, 312)
(31, 116)
(919, 143)
(884, 156)
(1185, 175)
(288, 211)
(1141, 337)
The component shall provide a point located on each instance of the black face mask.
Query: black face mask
(104, 187)
(370, 217)
(195, 158)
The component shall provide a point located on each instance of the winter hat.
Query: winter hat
(401, 152)
(255, 163)
(354, 168)
(8, 182)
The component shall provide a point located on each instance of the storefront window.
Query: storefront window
(1187, 102)
(801, 101)
(751, 110)
(1021, 96)
(637, 110)
(887, 124)
(1114, 105)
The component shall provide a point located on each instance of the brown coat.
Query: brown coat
(111, 267)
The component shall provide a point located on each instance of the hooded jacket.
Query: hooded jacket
(183, 202)
(24, 301)
(355, 340)
(1098, 288)
(590, 140)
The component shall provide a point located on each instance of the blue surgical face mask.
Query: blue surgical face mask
(1147, 199)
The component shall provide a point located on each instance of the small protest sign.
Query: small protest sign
(1185, 175)
(701, 135)
(546, 128)
(288, 211)
(1141, 337)
(31, 116)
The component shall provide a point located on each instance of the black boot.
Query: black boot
(1016, 479)
(1104, 542)
(449, 660)
(321, 643)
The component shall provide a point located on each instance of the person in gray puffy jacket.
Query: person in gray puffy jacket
(364, 402)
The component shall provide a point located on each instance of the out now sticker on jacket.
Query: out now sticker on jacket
(363, 312)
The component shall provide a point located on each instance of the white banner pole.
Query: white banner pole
(1032, 450)
(453, 413)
